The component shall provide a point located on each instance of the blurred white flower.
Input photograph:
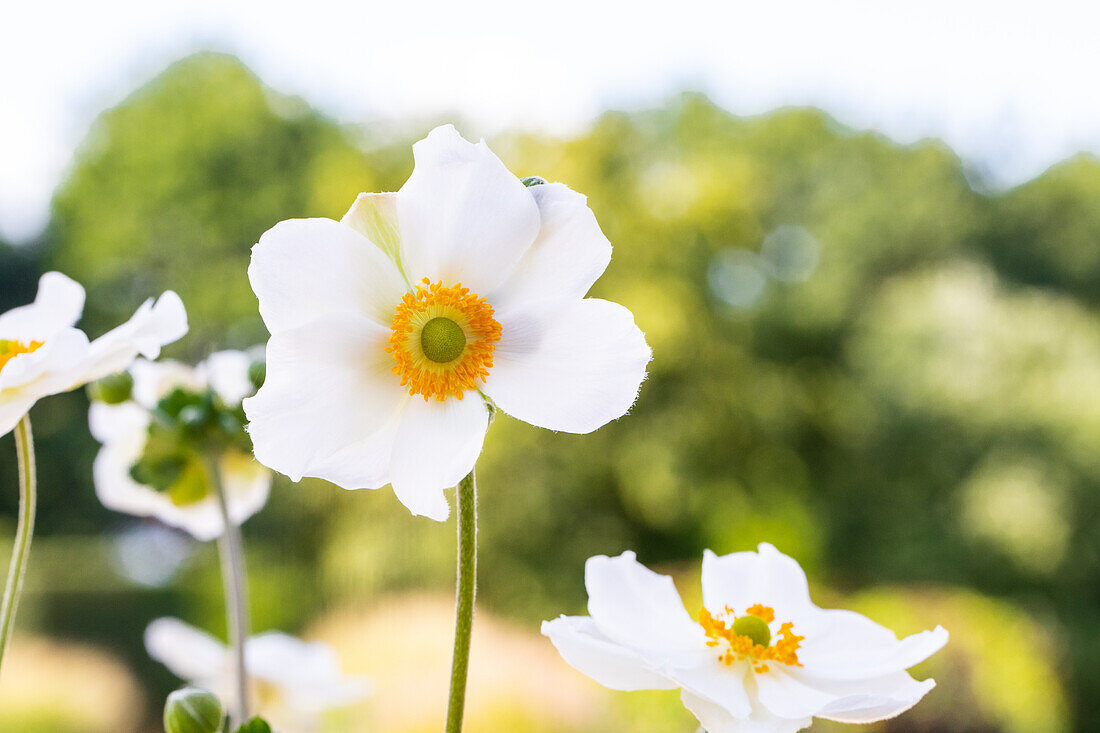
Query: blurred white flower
(41, 353)
(294, 682)
(124, 431)
(762, 658)
(391, 328)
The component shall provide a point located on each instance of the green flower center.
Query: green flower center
(442, 340)
(753, 627)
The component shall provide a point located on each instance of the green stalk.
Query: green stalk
(28, 497)
(231, 553)
(464, 603)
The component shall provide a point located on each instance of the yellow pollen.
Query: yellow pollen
(735, 647)
(424, 375)
(11, 349)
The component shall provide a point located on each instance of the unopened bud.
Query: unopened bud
(113, 390)
(257, 373)
(256, 725)
(191, 710)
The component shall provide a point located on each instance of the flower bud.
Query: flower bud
(533, 181)
(112, 390)
(257, 373)
(256, 725)
(191, 710)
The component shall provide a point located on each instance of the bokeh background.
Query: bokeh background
(877, 356)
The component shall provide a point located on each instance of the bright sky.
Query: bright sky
(1012, 86)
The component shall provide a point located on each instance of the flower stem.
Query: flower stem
(464, 603)
(231, 552)
(24, 448)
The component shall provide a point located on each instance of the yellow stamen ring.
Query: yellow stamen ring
(11, 349)
(442, 340)
(738, 638)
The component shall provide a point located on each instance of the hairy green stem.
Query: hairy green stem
(28, 498)
(464, 602)
(231, 552)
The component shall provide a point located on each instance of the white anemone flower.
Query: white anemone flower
(761, 658)
(392, 328)
(41, 353)
(293, 682)
(124, 430)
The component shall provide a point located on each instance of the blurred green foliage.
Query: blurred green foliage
(858, 357)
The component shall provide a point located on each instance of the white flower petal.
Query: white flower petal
(12, 410)
(437, 444)
(787, 697)
(308, 672)
(46, 370)
(867, 701)
(365, 464)
(463, 216)
(844, 645)
(188, 653)
(637, 607)
(247, 485)
(306, 269)
(114, 487)
(329, 385)
(741, 579)
(285, 660)
(583, 647)
(114, 423)
(153, 326)
(374, 215)
(226, 372)
(716, 719)
(153, 380)
(568, 255)
(722, 685)
(574, 370)
(57, 306)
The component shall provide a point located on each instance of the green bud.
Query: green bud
(256, 725)
(194, 416)
(533, 181)
(192, 486)
(442, 340)
(257, 373)
(753, 627)
(112, 390)
(191, 710)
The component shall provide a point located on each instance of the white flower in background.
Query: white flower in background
(762, 658)
(294, 682)
(391, 328)
(188, 503)
(42, 354)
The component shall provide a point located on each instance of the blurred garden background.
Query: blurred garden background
(861, 354)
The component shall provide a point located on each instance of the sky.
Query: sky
(1011, 86)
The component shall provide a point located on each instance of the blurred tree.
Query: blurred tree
(1046, 231)
(176, 184)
